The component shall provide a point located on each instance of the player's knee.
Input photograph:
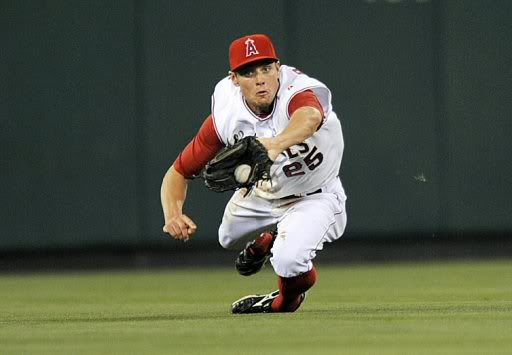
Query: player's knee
(226, 239)
(290, 263)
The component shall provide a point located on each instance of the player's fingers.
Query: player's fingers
(168, 229)
(190, 224)
(181, 229)
(174, 229)
(187, 227)
(184, 231)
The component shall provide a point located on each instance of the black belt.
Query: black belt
(297, 196)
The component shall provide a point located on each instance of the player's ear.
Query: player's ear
(233, 78)
(278, 65)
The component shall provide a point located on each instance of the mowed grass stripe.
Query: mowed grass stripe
(452, 308)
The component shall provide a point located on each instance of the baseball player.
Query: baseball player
(290, 218)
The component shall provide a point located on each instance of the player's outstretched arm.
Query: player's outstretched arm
(303, 124)
(173, 194)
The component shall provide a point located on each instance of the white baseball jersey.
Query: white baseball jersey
(302, 168)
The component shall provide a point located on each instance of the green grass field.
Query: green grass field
(443, 308)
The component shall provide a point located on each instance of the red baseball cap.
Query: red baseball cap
(249, 49)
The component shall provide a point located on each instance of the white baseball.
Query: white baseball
(242, 173)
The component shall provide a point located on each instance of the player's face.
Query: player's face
(259, 84)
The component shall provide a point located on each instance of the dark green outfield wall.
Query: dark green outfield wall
(98, 98)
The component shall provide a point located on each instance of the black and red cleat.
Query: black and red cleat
(262, 304)
(254, 303)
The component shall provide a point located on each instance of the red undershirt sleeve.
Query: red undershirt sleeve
(202, 148)
(305, 98)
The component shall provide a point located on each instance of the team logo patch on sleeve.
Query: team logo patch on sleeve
(250, 48)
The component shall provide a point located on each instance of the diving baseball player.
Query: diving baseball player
(290, 217)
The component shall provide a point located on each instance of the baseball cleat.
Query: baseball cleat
(254, 303)
(260, 303)
(255, 255)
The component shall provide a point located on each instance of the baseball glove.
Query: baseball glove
(219, 173)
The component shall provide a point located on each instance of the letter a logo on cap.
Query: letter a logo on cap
(250, 48)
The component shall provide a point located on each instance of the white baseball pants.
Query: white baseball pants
(304, 224)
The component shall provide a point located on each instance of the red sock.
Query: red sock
(262, 244)
(290, 290)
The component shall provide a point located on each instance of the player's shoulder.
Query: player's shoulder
(224, 96)
(292, 76)
(295, 81)
(290, 73)
(225, 86)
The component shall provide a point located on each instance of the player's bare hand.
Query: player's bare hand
(180, 227)
(270, 144)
